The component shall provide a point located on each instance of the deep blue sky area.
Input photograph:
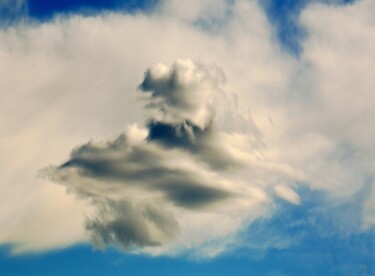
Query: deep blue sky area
(296, 246)
(46, 9)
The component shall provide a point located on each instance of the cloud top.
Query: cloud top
(184, 92)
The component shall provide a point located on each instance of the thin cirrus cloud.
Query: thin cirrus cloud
(198, 170)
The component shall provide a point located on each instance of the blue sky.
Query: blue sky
(319, 247)
(43, 10)
(271, 150)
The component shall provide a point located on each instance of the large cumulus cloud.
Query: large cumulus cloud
(142, 183)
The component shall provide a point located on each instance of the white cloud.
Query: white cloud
(307, 120)
(338, 56)
(184, 92)
(287, 193)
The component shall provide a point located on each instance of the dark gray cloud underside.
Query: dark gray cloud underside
(197, 141)
(140, 168)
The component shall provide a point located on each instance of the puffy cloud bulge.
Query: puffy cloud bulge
(224, 122)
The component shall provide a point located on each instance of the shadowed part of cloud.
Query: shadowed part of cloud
(183, 135)
(104, 176)
(191, 138)
(140, 167)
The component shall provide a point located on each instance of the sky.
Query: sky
(165, 137)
